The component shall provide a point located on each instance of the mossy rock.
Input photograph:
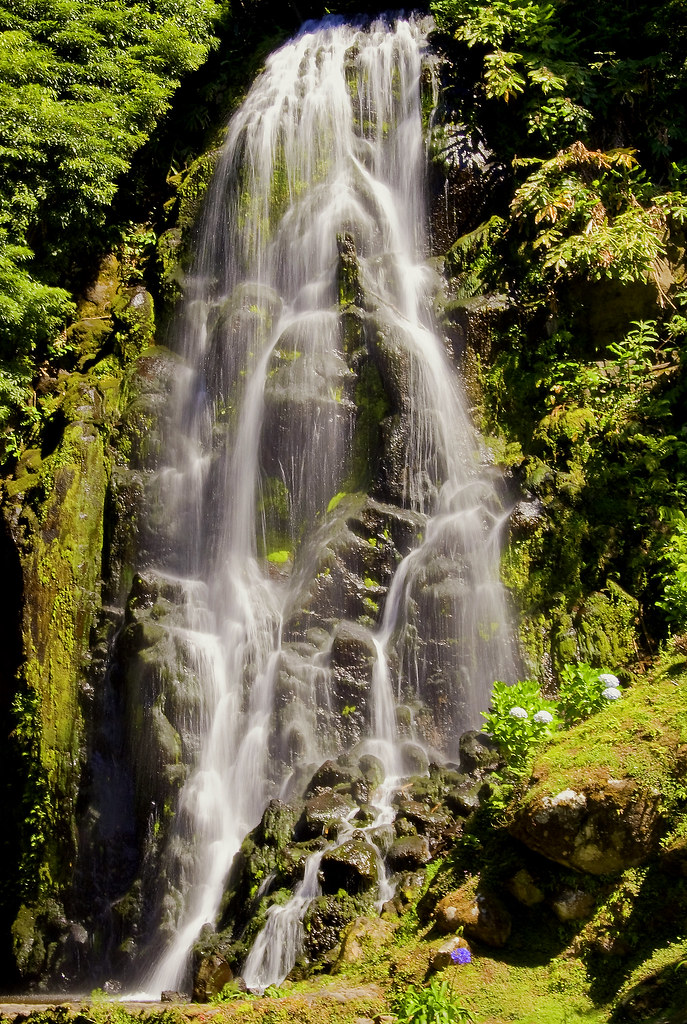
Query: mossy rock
(352, 866)
(193, 186)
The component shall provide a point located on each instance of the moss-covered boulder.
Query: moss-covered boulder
(322, 815)
(353, 866)
(602, 829)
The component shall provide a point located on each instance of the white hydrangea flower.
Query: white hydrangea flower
(543, 717)
(608, 679)
(517, 712)
(612, 693)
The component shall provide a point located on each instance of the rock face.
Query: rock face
(604, 830)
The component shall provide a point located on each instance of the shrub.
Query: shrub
(435, 1004)
(519, 720)
(585, 690)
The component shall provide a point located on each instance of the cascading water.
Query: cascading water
(306, 316)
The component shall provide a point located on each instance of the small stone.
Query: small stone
(481, 914)
(573, 905)
(442, 958)
(524, 889)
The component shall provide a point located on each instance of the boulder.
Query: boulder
(320, 814)
(409, 854)
(361, 937)
(427, 823)
(382, 836)
(464, 799)
(331, 774)
(372, 769)
(478, 752)
(212, 974)
(351, 866)
(324, 921)
(611, 826)
(479, 913)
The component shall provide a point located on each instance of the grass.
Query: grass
(642, 736)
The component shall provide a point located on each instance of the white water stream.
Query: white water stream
(329, 142)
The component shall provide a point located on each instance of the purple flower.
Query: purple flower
(461, 955)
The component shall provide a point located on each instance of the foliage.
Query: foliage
(581, 692)
(83, 85)
(516, 722)
(569, 71)
(581, 213)
(38, 811)
(434, 1004)
(674, 558)
(521, 720)
(229, 993)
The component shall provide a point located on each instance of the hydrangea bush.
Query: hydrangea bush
(584, 691)
(520, 719)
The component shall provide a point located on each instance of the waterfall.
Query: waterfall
(314, 398)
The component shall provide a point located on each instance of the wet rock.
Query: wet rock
(409, 853)
(331, 774)
(351, 866)
(172, 996)
(265, 860)
(212, 974)
(480, 914)
(432, 789)
(353, 649)
(427, 823)
(573, 905)
(382, 837)
(372, 769)
(478, 752)
(361, 791)
(365, 814)
(38, 932)
(361, 937)
(473, 323)
(527, 516)
(415, 760)
(320, 814)
(324, 921)
(391, 354)
(604, 829)
(403, 827)
(523, 887)
(464, 799)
